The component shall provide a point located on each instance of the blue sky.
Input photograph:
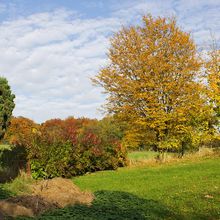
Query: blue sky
(50, 49)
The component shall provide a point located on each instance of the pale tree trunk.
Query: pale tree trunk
(28, 167)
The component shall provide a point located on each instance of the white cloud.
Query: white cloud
(49, 57)
(196, 16)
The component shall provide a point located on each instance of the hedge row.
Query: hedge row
(68, 147)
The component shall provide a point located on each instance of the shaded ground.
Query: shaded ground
(46, 195)
(112, 205)
(3, 195)
(25, 206)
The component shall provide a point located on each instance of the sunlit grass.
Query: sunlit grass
(20, 185)
(188, 189)
(142, 155)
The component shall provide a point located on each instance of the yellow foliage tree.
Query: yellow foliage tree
(153, 83)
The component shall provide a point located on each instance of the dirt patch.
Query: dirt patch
(36, 204)
(46, 195)
(62, 192)
(12, 209)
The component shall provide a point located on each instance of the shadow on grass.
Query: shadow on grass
(113, 205)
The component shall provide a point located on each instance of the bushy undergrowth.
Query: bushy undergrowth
(12, 159)
(68, 147)
(20, 185)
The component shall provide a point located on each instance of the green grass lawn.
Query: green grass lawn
(186, 190)
(183, 190)
(142, 155)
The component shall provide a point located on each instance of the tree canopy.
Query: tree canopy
(153, 82)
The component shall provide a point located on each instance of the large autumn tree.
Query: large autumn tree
(153, 83)
(6, 105)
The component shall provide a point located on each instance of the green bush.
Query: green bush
(74, 147)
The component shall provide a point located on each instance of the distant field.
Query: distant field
(142, 155)
(186, 190)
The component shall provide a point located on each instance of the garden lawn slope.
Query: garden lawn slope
(189, 190)
(185, 190)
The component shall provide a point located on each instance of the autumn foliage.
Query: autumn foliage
(67, 147)
(153, 82)
(21, 132)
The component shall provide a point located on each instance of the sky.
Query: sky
(50, 49)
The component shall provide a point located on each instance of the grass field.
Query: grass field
(142, 155)
(186, 190)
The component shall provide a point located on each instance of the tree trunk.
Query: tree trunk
(28, 168)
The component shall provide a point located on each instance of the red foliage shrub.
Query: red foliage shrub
(68, 147)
